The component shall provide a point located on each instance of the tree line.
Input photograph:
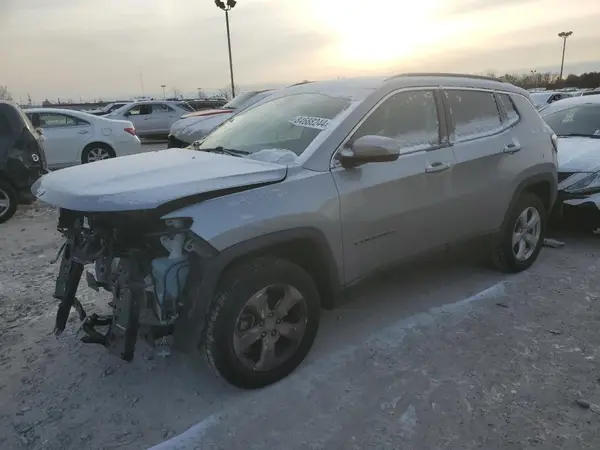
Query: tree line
(549, 80)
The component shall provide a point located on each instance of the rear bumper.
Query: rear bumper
(176, 143)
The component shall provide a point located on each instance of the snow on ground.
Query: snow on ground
(442, 354)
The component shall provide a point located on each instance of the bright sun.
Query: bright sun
(376, 31)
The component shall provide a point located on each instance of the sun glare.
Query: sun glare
(376, 32)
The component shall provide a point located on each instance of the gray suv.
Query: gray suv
(233, 246)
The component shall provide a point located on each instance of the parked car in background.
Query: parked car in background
(74, 137)
(196, 125)
(107, 109)
(153, 117)
(576, 122)
(22, 159)
(200, 104)
(271, 215)
(544, 98)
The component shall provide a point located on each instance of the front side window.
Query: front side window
(161, 108)
(288, 123)
(140, 110)
(410, 117)
(475, 113)
(582, 120)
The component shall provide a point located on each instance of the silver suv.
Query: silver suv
(234, 245)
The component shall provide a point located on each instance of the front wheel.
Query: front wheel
(262, 322)
(8, 201)
(522, 237)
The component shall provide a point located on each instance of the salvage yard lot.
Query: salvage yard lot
(440, 354)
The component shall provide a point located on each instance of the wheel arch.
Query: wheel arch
(542, 185)
(307, 247)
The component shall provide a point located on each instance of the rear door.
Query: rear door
(65, 136)
(394, 210)
(484, 145)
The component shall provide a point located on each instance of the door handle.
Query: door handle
(437, 167)
(83, 132)
(512, 148)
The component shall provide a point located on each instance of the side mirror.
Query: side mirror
(369, 149)
(39, 131)
(127, 114)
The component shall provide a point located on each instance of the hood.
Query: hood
(148, 180)
(200, 128)
(207, 112)
(578, 154)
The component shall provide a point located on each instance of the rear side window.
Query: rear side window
(410, 117)
(474, 113)
(508, 105)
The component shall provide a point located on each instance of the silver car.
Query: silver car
(151, 117)
(234, 246)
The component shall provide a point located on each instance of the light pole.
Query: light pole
(163, 86)
(227, 6)
(533, 72)
(564, 35)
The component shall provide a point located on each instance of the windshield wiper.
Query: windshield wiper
(593, 136)
(225, 151)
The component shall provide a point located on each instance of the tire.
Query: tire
(238, 286)
(96, 152)
(7, 195)
(503, 254)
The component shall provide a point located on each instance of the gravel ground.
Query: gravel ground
(444, 354)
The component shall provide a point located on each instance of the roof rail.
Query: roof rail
(441, 74)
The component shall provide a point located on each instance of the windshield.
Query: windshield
(582, 120)
(239, 100)
(288, 123)
(540, 97)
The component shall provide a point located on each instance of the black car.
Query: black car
(22, 159)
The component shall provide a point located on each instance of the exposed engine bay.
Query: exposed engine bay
(141, 260)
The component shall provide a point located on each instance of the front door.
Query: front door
(140, 116)
(394, 210)
(163, 116)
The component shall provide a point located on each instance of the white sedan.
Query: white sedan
(152, 117)
(74, 137)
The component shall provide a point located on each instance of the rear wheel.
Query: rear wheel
(262, 322)
(8, 201)
(522, 236)
(96, 152)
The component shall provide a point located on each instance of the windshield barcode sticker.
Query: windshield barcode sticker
(318, 123)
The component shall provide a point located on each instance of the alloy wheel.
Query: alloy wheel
(526, 233)
(97, 154)
(270, 327)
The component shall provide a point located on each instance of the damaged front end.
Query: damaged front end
(141, 260)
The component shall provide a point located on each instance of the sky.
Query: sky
(106, 49)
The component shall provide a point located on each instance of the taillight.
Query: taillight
(131, 131)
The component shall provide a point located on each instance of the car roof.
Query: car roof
(359, 88)
(56, 110)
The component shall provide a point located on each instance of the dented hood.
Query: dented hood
(148, 180)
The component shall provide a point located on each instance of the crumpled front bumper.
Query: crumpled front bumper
(579, 210)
